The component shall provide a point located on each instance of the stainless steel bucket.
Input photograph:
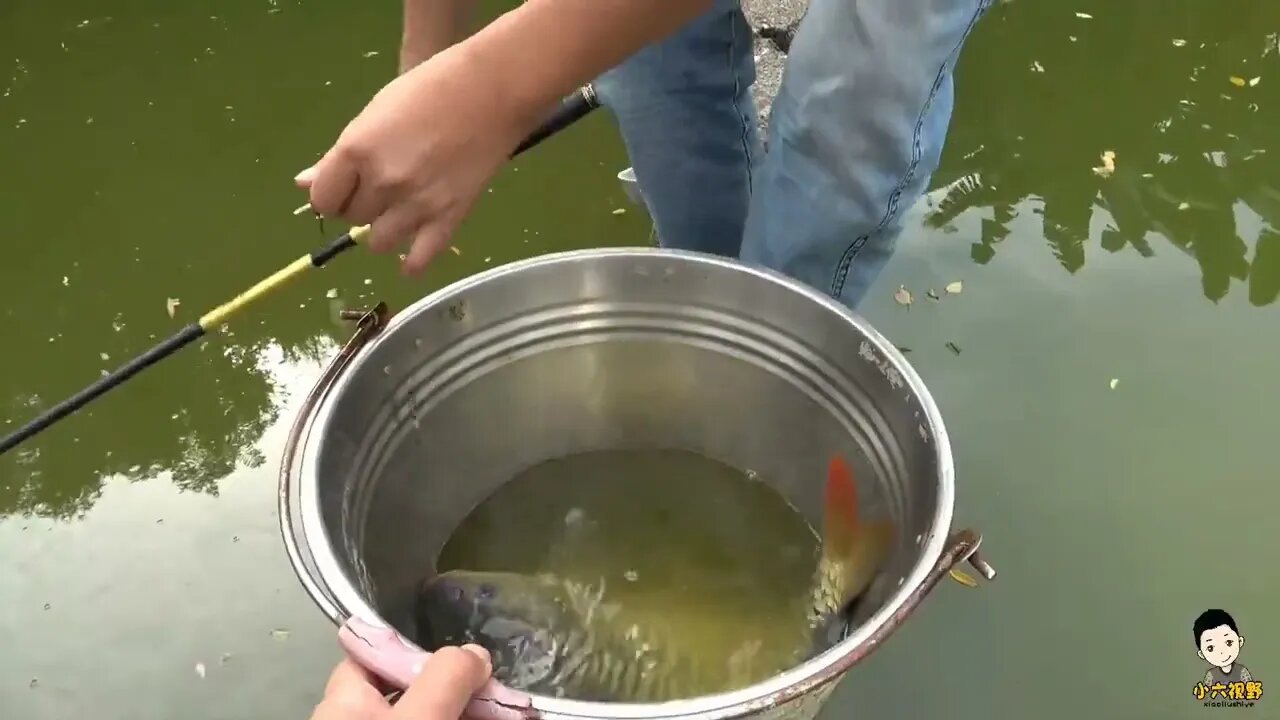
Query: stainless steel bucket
(414, 425)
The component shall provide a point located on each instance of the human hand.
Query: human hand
(448, 680)
(413, 162)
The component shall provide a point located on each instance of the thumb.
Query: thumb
(448, 680)
(331, 182)
(305, 178)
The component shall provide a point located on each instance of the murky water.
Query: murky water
(713, 569)
(148, 153)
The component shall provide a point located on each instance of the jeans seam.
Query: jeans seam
(846, 259)
(737, 90)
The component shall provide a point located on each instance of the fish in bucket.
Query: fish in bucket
(589, 350)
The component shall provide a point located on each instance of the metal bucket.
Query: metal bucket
(413, 426)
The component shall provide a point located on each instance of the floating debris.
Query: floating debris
(963, 578)
(368, 281)
(1114, 382)
(333, 293)
(105, 357)
(902, 349)
(1108, 164)
(455, 250)
(932, 295)
(371, 53)
(953, 347)
(1036, 66)
(631, 575)
(902, 295)
(955, 288)
(620, 211)
(66, 281)
(34, 682)
(1084, 16)
(200, 670)
(1179, 42)
(171, 304)
(1184, 205)
(280, 634)
(1238, 81)
(1253, 82)
(225, 657)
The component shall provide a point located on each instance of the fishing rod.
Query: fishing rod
(571, 109)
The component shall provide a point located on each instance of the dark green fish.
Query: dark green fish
(555, 636)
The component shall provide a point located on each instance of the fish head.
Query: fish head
(853, 552)
(512, 615)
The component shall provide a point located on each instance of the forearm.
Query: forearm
(544, 49)
(429, 27)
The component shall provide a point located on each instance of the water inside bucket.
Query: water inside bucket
(697, 575)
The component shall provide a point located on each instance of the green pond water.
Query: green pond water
(1111, 406)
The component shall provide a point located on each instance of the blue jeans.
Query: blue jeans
(855, 133)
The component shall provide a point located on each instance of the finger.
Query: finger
(333, 182)
(305, 178)
(448, 680)
(353, 687)
(396, 226)
(335, 710)
(428, 243)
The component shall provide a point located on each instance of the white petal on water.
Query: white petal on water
(280, 634)
(1084, 16)
(1183, 205)
(171, 305)
(200, 669)
(620, 211)
(902, 295)
(1114, 382)
(333, 293)
(955, 288)
(1179, 42)
(1254, 81)
(371, 53)
(105, 357)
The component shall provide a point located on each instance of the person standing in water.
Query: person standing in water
(856, 130)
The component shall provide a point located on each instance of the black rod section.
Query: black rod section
(118, 376)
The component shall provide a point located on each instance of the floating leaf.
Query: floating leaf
(1114, 383)
(963, 578)
(1108, 164)
(953, 347)
(902, 295)
(955, 288)
(171, 304)
(200, 670)
(1238, 81)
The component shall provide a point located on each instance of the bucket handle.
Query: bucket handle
(375, 647)
(368, 324)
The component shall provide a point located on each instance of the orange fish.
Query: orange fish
(853, 551)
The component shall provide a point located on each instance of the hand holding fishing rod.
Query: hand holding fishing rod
(571, 109)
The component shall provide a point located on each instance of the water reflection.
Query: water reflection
(147, 428)
(1177, 92)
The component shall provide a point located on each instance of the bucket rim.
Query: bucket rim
(335, 591)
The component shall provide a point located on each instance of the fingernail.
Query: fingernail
(306, 175)
(480, 653)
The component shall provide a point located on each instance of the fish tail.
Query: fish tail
(840, 509)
